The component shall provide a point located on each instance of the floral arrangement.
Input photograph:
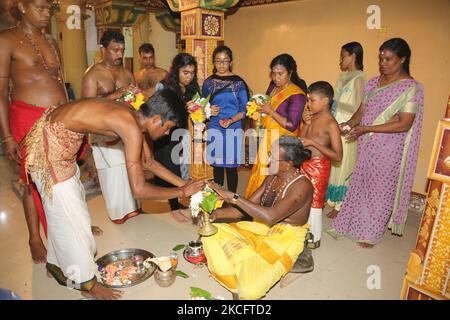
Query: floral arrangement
(206, 200)
(201, 110)
(134, 98)
(252, 105)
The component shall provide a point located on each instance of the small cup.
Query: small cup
(195, 248)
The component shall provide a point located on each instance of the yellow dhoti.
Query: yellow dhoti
(248, 258)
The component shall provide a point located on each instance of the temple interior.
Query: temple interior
(312, 31)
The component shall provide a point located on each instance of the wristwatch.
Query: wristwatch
(235, 198)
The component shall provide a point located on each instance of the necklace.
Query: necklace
(279, 191)
(38, 52)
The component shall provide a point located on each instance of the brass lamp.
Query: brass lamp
(208, 229)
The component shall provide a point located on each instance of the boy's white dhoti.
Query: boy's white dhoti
(71, 245)
(109, 158)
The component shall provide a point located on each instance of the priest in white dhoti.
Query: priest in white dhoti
(52, 145)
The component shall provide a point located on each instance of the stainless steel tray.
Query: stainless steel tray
(124, 254)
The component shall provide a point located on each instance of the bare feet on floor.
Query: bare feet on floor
(38, 251)
(96, 231)
(100, 292)
(366, 245)
(332, 214)
(179, 216)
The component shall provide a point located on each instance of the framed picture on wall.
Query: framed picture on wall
(439, 168)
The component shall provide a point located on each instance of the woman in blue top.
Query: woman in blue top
(228, 91)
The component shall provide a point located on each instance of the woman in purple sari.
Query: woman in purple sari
(387, 126)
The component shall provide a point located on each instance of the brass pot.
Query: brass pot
(165, 278)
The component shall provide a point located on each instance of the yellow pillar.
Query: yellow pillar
(72, 42)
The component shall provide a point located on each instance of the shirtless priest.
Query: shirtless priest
(52, 145)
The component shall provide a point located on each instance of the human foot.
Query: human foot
(100, 292)
(179, 216)
(365, 245)
(38, 251)
(96, 231)
(332, 214)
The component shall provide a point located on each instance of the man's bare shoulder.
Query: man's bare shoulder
(8, 36)
(94, 69)
(325, 120)
(303, 182)
(300, 186)
(161, 72)
(332, 121)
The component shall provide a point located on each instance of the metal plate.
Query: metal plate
(125, 254)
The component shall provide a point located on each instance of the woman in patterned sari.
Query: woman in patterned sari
(387, 126)
(282, 113)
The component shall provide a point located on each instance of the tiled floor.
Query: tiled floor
(342, 269)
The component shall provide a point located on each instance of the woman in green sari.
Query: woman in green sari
(348, 98)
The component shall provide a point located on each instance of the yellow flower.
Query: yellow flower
(251, 108)
(198, 116)
(219, 204)
(255, 116)
(140, 99)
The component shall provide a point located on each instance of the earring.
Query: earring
(23, 11)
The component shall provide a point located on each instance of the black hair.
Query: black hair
(146, 48)
(225, 50)
(173, 78)
(167, 104)
(323, 88)
(294, 150)
(109, 36)
(357, 49)
(401, 48)
(287, 61)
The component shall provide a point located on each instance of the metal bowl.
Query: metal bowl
(125, 254)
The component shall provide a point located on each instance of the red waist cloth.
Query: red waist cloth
(22, 117)
(318, 171)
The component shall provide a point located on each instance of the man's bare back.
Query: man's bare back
(79, 116)
(300, 186)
